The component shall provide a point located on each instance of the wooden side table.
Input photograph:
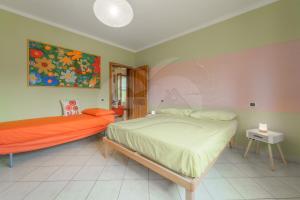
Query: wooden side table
(270, 138)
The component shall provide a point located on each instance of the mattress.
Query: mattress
(183, 144)
(22, 131)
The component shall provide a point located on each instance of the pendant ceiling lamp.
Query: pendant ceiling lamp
(114, 13)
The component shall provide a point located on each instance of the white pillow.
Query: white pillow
(213, 114)
(70, 107)
(176, 111)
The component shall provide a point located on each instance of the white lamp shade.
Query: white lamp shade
(114, 13)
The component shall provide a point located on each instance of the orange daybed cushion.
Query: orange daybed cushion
(31, 134)
(97, 112)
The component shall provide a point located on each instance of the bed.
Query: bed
(32, 134)
(178, 147)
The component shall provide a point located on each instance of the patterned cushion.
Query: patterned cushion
(70, 107)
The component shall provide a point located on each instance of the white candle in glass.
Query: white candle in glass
(263, 127)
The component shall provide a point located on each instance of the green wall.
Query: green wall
(275, 23)
(278, 22)
(17, 100)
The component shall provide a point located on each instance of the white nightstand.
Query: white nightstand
(270, 138)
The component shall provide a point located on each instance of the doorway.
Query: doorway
(119, 90)
(128, 91)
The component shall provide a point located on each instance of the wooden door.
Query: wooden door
(138, 92)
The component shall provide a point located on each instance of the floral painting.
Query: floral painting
(50, 65)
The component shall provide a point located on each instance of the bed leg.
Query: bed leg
(10, 163)
(190, 195)
(105, 150)
(231, 143)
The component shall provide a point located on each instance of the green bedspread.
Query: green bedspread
(183, 144)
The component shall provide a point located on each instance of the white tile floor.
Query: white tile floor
(78, 171)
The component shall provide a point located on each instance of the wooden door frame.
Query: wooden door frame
(147, 84)
(111, 66)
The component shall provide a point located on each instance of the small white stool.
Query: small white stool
(270, 138)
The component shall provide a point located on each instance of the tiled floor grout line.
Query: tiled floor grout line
(32, 190)
(53, 171)
(123, 179)
(268, 192)
(12, 183)
(59, 167)
(91, 189)
(120, 189)
(292, 186)
(39, 183)
(148, 186)
(234, 160)
(81, 167)
(210, 195)
(33, 168)
(148, 183)
(247, 176)
(234, 188)
(62, 189)
(178, 191)
(97, 179)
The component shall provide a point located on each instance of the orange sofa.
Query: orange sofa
(32, 134)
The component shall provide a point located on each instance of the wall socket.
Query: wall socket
(252, 104)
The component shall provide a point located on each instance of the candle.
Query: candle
(263, 127)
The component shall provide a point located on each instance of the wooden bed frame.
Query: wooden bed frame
(190, 184)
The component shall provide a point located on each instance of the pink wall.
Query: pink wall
(269, 76)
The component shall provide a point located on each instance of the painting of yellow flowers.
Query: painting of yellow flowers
(49, 65)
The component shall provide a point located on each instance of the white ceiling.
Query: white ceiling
(154, 22)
